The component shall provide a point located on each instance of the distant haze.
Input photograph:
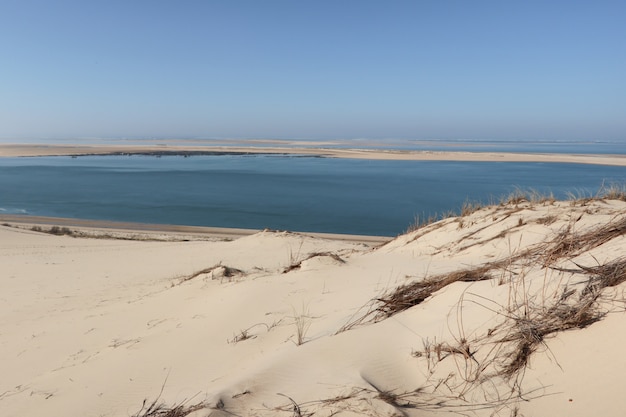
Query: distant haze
(526, 70)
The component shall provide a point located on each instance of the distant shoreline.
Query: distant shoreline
(33, 150)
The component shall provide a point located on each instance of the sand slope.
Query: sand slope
(510, 310)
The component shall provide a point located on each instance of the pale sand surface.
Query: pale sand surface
(92, 327)
(13, 150)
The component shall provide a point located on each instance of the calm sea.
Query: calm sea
(277, 192)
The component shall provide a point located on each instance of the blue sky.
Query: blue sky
(511, 70)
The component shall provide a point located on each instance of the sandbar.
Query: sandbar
(168, 148)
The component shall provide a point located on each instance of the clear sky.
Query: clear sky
(317, 69)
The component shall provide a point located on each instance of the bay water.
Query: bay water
(297, 193)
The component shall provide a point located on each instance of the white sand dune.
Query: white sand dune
(523, 314)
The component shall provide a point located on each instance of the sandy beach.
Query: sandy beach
(145, 231)
(513, 309)
(297, 148)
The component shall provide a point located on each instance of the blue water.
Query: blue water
(277, 192)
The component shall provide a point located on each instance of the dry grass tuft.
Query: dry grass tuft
(297, 265)
(302, 321)
(539, 198)
(421, 222)
(407, 296)
(531, 196)
(295, 407)
(246, 334)
(613, 192)
(241, 336)
(516, 197)
(470, 207)
(160, 410)
(531, 328)
(334, 406)
(536, 323)
(224, 272)
(604, 276)
(399, 401)
(568, 245)
(547, 220)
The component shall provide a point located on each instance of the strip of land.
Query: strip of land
(149, 231)
(23, 150)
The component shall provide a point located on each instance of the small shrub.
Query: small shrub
(60, 231)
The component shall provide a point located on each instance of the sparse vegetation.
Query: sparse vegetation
(241, 336)
(217, 271)
(302, 321)
(420, 222)
(298, 264)
(532, 324)
(470, 207)
(547, 220)
(409, 295)
(500, 356)
(247, 333)
(54, 230)
(604, 276)
(531, 197)
(161, 410)
(613, 192)
(570, 244)
(113, 234)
